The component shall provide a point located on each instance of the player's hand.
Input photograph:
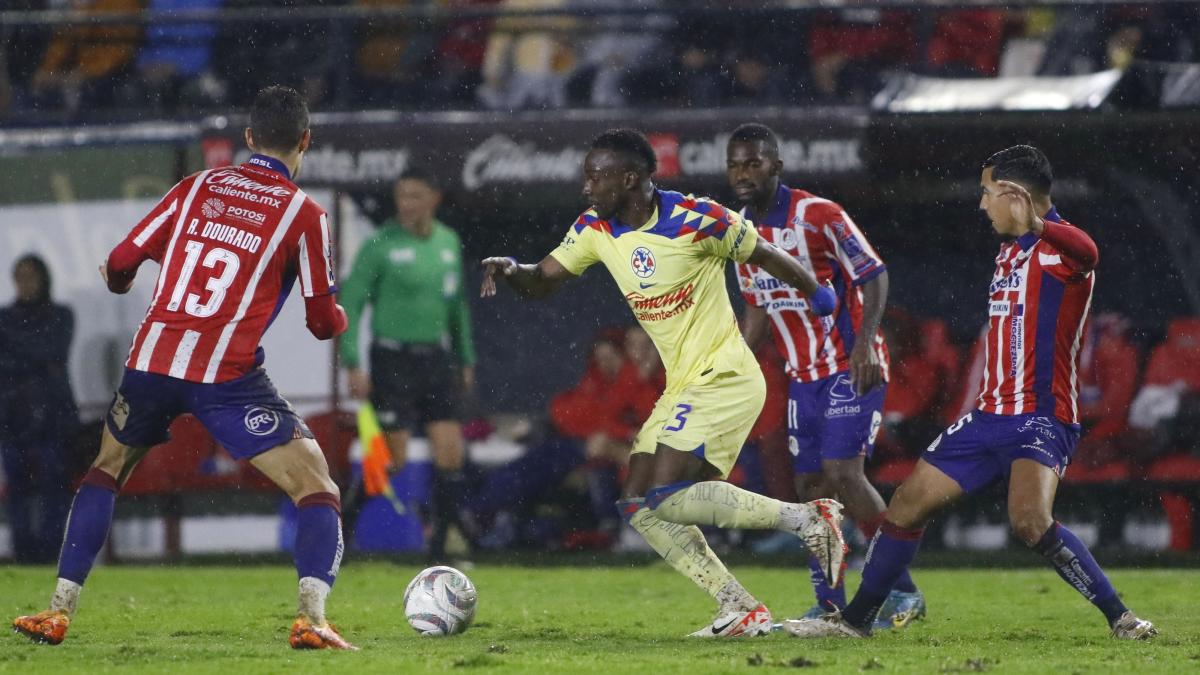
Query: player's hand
(1020, 206)
(104, 276)
(360, 384)
(492, 266)
(866, 372)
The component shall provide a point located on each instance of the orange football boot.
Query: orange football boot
(308, 635)
(48, 627)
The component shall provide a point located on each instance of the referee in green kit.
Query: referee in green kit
(422, 360)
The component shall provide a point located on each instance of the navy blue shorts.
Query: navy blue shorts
(981, 447)
(246, 416)
(828, 420)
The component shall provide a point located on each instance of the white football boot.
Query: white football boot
(825, 626)
(821, 531)
(738, 624)
(1129, 627)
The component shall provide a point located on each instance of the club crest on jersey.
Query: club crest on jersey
(642, 262)
(212, 208)
(261, 421)
(788, 240)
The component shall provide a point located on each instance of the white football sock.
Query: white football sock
(313, 592)
(66, 596)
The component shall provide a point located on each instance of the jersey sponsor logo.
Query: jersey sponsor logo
(764, 283)
(1040, 425)
(230, 183)
(1016, 343)
(261, 421)
(737, 242)
(1011, 282)
(793, 304)
(799, 221)
(788, 240)
(661, 307)
(1047, 259)
(119, 411)
(998, 308)
(246, 215)
(212, 208)
(642, 262)
(841, 389)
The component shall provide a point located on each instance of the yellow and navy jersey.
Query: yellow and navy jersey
(672, 272)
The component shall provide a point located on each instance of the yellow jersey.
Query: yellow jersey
(672, 272)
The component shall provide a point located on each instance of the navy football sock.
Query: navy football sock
(87, 526)
(868, 528)
(827, 598)
(891, 552)
(319, 537)
(1075, 564)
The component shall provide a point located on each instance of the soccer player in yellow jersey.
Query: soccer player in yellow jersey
(667, 252)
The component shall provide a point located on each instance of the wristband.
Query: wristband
(824, 301)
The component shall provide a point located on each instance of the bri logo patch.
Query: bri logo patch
(212, 208)
(261, 421)
(642, 262)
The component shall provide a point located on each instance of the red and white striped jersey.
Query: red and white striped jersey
(230, 242)
(1037, 313)
(823, 237)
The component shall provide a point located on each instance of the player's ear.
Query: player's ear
(305, 140)
(777, 167)
(250, 140)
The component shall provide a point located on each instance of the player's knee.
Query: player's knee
(1029, 526)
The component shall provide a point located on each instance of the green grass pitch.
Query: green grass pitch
(589, 620)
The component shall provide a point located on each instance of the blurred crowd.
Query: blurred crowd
(660, 53)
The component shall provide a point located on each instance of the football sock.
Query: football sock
(1075, 564)
(891, 552)
(447, 500)
(686, 551)
(717, 503)
(319, 543)
(868, 528)
(66, 596)
(313, 592)
(827, 598)
(87, 526)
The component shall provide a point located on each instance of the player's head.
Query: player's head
(619, 165)
(31, 277)
(279, 125)
(752, 163)
(1024, 165)
(607, 354)
(418, 196)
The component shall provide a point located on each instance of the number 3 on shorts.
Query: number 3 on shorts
(680, 417)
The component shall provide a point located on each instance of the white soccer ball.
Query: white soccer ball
(440, 601)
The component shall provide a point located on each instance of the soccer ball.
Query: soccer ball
(440, 601)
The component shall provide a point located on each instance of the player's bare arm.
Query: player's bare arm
(789, 270)
(754, 325)
(531, 281)
(866, 372)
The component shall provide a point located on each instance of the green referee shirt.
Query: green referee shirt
(414, 286)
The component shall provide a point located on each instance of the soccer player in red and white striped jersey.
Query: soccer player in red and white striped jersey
(1026, 426)
(838, 365)
(230, 244)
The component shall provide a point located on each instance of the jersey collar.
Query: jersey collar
(777, 216)
(270, 163)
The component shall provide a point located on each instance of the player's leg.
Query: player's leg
(249, 418)
(299, 469)
(142, 409)
(86, 531)
(1031, 489)
(701, 441)
(449, 481)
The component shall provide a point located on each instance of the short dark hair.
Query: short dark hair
(278, 118)
(423, 174)
(1022, 164)
(753, 132)
(41, 269)
(632, 145)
